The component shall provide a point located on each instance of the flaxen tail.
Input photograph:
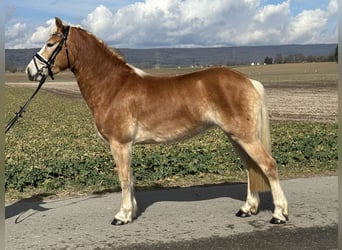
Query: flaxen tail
(258, 181)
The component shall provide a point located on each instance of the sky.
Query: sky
(176, 23)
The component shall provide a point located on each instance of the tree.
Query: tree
(268, 60)
(278, 58)
(11, 69)
(294, 58)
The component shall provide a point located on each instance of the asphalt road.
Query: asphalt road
(187, 218)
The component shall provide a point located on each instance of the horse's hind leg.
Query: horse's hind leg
(122, 156)
(262, 159)
(251, 205)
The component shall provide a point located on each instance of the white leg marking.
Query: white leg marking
(252, 202)
(122, 156)
(280, 203)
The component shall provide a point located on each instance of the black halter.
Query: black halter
(49, 63)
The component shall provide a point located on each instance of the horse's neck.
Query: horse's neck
(95, 69)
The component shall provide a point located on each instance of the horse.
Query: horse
(130, 106)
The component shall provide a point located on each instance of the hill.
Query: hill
(174, 57)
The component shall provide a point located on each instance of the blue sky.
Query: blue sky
(177, 23)
(73, 11)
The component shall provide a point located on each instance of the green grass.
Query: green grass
(54, 149)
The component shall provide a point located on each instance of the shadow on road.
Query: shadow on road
(22, 206)
(26, 208)
(236, 191)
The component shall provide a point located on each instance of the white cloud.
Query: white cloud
(190, 23)
(332, 7)
(100, 21)
(16, 30)
(311, 26)
(179, 23)
(170, 22)
(18, 36)
(306, 25)
(273, 13)
(42, 33)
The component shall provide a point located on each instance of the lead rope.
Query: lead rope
(23, 108)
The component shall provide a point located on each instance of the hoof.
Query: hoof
(255, 213)
(278, 221)
(242, 214)
(117, 222)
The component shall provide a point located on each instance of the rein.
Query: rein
(48, 64)
(23, 108)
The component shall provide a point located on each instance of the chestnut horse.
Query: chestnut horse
(130, 106)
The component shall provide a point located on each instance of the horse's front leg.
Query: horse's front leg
(122, 155)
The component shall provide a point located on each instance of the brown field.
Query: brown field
(302, 92)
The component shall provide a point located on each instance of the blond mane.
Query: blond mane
(113, 52)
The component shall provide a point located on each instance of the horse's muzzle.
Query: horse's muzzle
(32, 77)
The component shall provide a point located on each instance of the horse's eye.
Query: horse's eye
(50, 44)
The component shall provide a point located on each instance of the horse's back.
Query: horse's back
(211, 80)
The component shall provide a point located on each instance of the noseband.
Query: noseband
(49, 63)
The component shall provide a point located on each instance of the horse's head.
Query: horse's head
(53, 57)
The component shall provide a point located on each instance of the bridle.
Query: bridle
(49, 63)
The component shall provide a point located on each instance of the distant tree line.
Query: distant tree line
(11, 68)
(299, 58)
(16, 60)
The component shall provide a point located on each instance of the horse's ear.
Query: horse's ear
(59, 24)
